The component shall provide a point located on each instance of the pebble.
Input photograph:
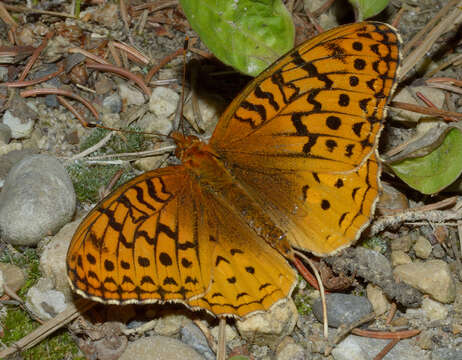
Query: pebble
(269, 327)
(191, 335)
(402, 243)
(431, 277)
(342, 308)
(163, 102)
(159, 348)
(112, 104)
(5, 133)
(289, 350)
(20, 128)
(362, 348)
(230, 333)
(45, 302)
(53, 258)
(447, 354)
(434, 310)
(170, 324)
(422, 248)
(153, 124)
(130, 95)
(13, 276)
(107, 15)
(210, 110)
(399, 257)
(378, 299)
(424, 340)
(37, 200)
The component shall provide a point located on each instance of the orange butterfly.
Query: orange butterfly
(292, 164)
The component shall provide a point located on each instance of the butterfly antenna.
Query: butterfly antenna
(179, 113)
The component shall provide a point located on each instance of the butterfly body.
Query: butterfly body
(204, 164)
(292, 163)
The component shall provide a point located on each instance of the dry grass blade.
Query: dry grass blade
(446, 24)
(73, 310)
(21, 9)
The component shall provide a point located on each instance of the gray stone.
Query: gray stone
(163, 102)
(431, 277)
(289, 350)
(45, 302)
(112, 104)
(20, 128)
(362, 348)
(447, 354)
(5, 133)
(130, 95)
(159, 348)
(37, 200)
(191, 335)
(53, 258)
(422, 248)
(270, 327)
(342, 308)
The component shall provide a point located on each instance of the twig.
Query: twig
(21, 9)
(126, 20)
(35, 55)
(425, 111)
(449, 6)
(221, 350)
(24, 83)
(344, 330)
(147, 153)
(386, 349)
(6, 17)
(88, 54)
(322, 292)
(93, 148)
(391, 313)
(208, 336)
(132, 51)
(72, 311)
(47, 91)
(162, 63)
(122, 72)
(403, 334)
(446, 23)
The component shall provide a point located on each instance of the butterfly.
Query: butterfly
(292, 164)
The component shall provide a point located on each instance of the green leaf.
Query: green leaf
(368, 8)
(436, 170)
(246, 34)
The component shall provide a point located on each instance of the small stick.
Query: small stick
(24, 83)
(35, 55)
(122, 72)
(322, 292)
(391, 313)
(221, 351)
(346, 329)
(162, 63)
(404, 334)
(425, 111)
(47, 91)
(135, 53)
(93, 148)
(323, 8)
(88, 54)
(386, 349)
(20, 9)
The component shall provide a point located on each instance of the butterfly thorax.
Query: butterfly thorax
(207, 168)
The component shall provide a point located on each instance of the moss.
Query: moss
(301, 300)
(17, 324)
(88, 179)
(376, 243)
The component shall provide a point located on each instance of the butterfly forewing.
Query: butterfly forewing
(303, 135)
